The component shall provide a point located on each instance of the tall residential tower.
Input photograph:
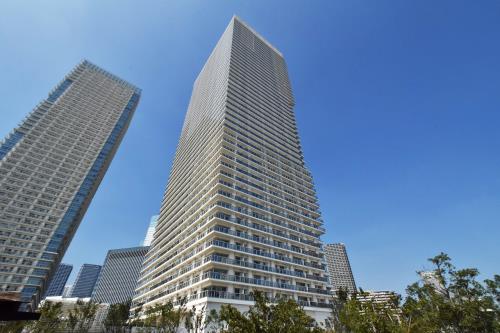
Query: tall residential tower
(339, 268)
(50, 168)
(240, 211)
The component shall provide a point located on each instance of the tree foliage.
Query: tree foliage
(81, 317)
(117, 318)
(286, 316)
(370, 316)
(457, 303)
(12, 326)
(453, 302)
(50, 319)
(165, 318)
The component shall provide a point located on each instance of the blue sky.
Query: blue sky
(397, 104)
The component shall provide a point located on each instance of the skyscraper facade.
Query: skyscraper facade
(50, 168)
(339, 268)
(59, 279)
(240, 211)
(85, 281)
(119, 275)
(151, 231)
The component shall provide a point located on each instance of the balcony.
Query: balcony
(259, 282)
(266, 268)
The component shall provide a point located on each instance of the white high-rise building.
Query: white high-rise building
(50, 167)
(150, 234)
(240, 212)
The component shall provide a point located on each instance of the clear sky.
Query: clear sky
(397, 103)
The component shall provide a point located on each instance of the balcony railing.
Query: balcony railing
(260, 282)
(266, 268)
(262, 253)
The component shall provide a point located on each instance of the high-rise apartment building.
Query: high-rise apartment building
(59, 279)
(119, 275)
(240, 211)
(339, 268)
(151, 231)
(85, 281)
(50, 168)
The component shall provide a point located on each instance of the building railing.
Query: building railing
(261, 253)
(263, 240)
(260, 282)
(266, 268)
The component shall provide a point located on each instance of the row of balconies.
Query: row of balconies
(223, 244)
(262, 218)
(262, 240)
(268, 209)
(264, 267)
(234, 296)
(255, 226)
(253, 176)
(214, 275)
(261, 282)
(300, 171)
(311, 225)
(239, 221)
(277, 171)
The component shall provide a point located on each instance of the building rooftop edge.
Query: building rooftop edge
(86, 62)
(126, 249)
(237, 18)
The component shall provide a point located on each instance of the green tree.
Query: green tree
(50, 319)
(117, 318)
(166, 317)
(455, 303)
(333, 324)
(81, 317)
(214, 324)
(198, 321)
(286, 316)
(360, 314)
(12, 326)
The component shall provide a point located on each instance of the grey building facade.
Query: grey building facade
(119, 274)
(85, 281)
(339, 267)
(50, 167)
(240, 210)
(59, 279)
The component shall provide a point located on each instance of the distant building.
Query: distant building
(430, 278)
(85, 281)
(380, 297)
(67, 291)
(56, 287)
(119, 275)
(339, 268)
(151, 231)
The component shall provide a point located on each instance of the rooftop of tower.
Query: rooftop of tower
(237, 18)
(88, 64)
